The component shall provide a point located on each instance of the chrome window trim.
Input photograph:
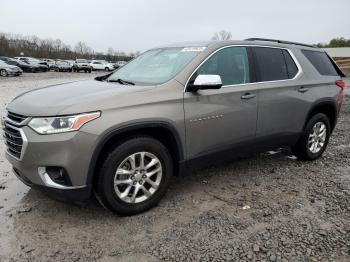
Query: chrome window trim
(24, 144)
(300, 70)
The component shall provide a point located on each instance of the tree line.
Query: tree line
(12, 45)
(335, 42)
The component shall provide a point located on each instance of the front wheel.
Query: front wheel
(314, 140)
(3, 72)
(134, 176)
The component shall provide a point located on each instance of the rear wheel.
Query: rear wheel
(314, 139)
(3, 72)
(134, 176)
(106, 69)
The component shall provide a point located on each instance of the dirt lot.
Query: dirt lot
(267, 207)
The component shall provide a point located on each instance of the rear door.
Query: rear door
(220, 119)
(279, 94)
(97, 65)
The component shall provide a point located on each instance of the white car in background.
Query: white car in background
(9, 70)
(101, 65)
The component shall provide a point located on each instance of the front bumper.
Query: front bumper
(71, 151)
(78, 195)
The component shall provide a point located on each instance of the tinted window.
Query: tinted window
(231, 64)
(271, 64)
(291, 66)
(321, 62)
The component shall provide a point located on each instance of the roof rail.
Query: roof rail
(277, 41)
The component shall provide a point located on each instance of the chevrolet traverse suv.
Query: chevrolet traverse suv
(124, 135)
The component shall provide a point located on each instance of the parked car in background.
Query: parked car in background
(62, 66)
(43, 66)
(82, 65)
(23, 65)
(50, 62)
(71, 63)
(101, 65)
(119, 64)
(9, 70)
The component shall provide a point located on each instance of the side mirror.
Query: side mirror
(203, 82)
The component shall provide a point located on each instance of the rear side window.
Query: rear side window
(291, 66)
(270, 63)
(321, 62)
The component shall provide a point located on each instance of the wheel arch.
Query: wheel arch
(327, 107)
(162, 131)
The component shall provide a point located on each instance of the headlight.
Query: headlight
(61, 124)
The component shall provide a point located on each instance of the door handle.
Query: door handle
(248, 96)
(303, 89)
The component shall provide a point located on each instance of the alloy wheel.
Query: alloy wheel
(138, 177)
(317, 137)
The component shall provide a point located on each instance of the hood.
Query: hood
(74, 97)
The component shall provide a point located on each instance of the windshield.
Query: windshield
(155, 66)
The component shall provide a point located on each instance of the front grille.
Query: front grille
(13, 140)
(16, 117)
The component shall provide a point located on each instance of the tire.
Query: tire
(3, 72)
(89, 71)
(106, 192)
(302, 149)
(107, 69)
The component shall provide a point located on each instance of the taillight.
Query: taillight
(341, 84)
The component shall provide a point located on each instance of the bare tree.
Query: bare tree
(82, 49)
(110, 51)
(222, 35)
(14, 44)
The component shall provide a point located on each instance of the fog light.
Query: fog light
(59, 175)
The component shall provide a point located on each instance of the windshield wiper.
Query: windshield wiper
(121, 81)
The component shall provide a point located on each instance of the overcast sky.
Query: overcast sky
(136, 25)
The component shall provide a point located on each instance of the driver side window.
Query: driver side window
(230, 63)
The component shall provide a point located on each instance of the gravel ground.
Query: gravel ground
(266, 207)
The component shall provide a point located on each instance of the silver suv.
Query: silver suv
(124, 135)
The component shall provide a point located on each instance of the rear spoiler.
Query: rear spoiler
(336, 67)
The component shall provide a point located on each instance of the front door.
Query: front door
(220, 119)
